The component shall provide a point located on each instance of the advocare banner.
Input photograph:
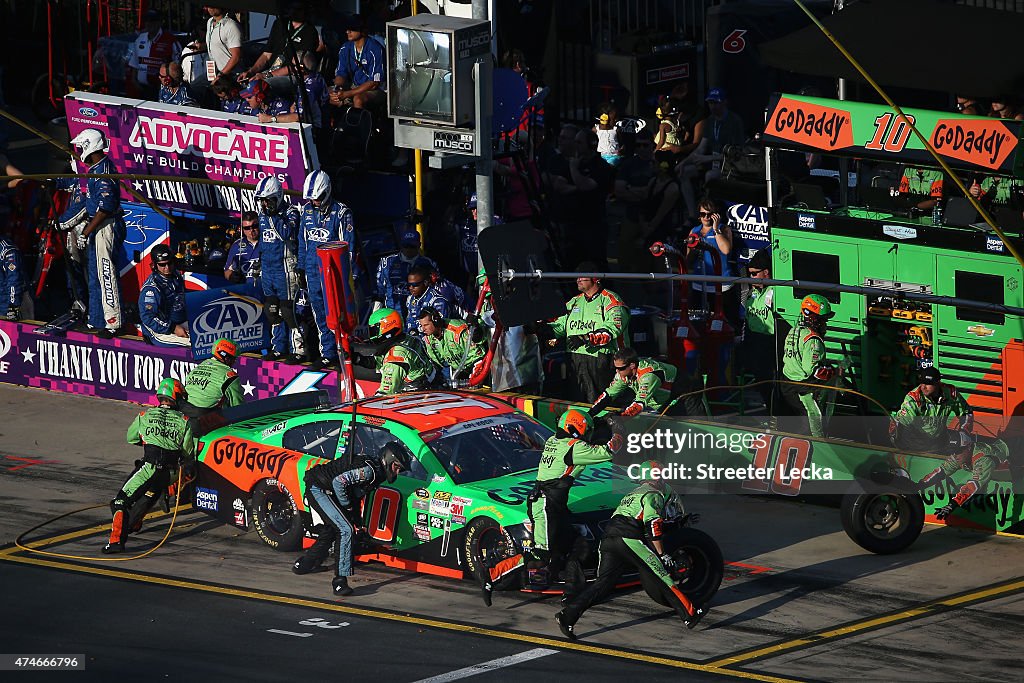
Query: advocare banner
(150, 138)
(235, 312)
(875, 131)
(127, 369)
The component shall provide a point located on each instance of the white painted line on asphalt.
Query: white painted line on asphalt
(289, 633)
(489, 666)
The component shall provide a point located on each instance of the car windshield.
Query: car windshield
(489, 447)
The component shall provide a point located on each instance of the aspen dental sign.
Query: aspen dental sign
(153, 139)
(875, 131)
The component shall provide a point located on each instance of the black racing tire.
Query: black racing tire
(700, 562)
(882, 523)
(276, 517)
(483, 533)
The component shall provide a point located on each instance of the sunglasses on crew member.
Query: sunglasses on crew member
(253, 226)
(415, 283)
(705, 214)
(620, 368)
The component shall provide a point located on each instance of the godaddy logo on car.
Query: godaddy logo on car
(233, 317)
(189, 137)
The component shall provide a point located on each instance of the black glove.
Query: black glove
(236, 277)
(13, 313)
(670, 564)
(301, 278)
(943, 512)
(188, 470)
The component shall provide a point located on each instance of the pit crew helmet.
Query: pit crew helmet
(91, 140)
(170, 391)
(269, 194)
(576, 423)
(317, 188)
(816, 305)
(394, 453)
(225, 350)
(385, 324)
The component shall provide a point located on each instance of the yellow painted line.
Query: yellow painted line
(874, 622)
(401, 618)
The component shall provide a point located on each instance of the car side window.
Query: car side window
(315, 438)
(370, 440)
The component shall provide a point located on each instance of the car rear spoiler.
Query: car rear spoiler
(306, 400)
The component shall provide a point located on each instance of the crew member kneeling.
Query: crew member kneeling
(166, 436)
(333, 489)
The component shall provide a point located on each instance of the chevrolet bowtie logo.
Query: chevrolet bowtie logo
(980, 330)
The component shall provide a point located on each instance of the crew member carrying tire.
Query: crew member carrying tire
(333, 489)
(804, 361)
(565, 456)
(166, 436)
(633, 540)
(212, 385)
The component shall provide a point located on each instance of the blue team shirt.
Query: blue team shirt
(359, 68)
(244, 258)
(182, 96)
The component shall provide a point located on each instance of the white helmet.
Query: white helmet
(269, 194)
(91, 140)
(317, 186)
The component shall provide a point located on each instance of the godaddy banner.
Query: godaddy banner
(149, 138)
(875, 131)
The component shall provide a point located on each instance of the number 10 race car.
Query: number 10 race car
(473, 463)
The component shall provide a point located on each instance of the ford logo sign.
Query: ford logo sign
(88, 111)
(225, 315)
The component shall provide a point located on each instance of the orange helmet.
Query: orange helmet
(225, 350)
(816, 304)
(575, 423)
(385, 324)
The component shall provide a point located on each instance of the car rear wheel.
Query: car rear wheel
(276, 516)
(700, 566)
(883, 523)
(486, 538)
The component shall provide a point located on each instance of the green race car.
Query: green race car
(474, 462)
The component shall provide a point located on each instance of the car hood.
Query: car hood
(598, 488)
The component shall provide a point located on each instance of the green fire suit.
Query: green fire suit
(921, 423)
(167, 437)
(454, 348)
(404, 367)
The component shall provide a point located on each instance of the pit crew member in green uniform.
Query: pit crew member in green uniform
(450, 345)
(595, 325)
(166, 437)
(927, 414)
(804, 361)
(565, 456)
(632, 540)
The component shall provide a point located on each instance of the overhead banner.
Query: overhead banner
(150, 138)
(130, 370)
(875, 131)
(234, 312)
